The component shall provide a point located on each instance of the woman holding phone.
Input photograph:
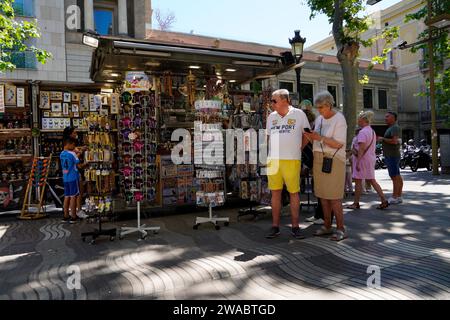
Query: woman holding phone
(329, 136)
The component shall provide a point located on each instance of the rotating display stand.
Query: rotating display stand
(99, 175)
(140, 228)
(210, 171)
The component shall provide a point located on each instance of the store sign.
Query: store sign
(137, 81)
(2, 99)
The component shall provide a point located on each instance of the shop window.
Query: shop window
(368, 98)
(382, 99)
(333, 90)
(24, 8)
(288, 85)
(307, 91)
(104, 21)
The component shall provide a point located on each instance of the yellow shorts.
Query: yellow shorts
(280, 172)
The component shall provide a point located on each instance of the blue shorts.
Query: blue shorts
(393, 165)
(71, 189)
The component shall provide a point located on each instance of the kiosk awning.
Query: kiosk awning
(114, 56)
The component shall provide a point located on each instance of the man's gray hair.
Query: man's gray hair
(324, 97)
(282, 93)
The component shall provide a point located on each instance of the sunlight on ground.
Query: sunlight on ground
(4, 259)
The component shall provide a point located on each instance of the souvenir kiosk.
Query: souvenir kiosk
(182, 80)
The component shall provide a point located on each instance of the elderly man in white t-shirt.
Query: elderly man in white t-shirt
(285, 127)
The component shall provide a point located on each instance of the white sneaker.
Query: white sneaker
(82, 215)
(395, 200)
(319, 222)
(310, 219)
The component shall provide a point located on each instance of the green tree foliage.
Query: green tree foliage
(441, 56)
(13, 37)
(349, 24)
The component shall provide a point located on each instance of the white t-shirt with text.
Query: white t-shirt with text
(286, 133)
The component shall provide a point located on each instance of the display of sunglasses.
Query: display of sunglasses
(138, 171)
(138, 146)
(137, 121)
(127, 171)
(125, 133)
(145, 101)
(126, 146)
(125, 122)
(126, 159)
(129, 196)
(138, 158)
(138, 183)
(136, 97)
(138, 196)
(126, 97)
(127, 184)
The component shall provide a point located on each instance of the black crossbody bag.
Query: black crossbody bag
(327, 164)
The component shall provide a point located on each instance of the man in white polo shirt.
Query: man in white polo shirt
(285, 127)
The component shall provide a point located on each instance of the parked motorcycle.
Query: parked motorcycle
(406, 157)
(421, 159)
(379, 162)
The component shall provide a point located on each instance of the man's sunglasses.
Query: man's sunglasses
(273, 101)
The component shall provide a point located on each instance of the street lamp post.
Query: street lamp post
(297, 44)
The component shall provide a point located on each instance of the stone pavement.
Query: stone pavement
(410, 243)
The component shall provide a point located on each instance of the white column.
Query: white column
(89, 14)
(123, 21)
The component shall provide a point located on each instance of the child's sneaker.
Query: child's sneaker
(73, 220)
(82, 215)
(65, 219)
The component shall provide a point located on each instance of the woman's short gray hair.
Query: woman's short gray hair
(366, 115)
(324, 97)
(282, 93)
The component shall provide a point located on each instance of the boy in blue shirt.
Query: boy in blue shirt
(69, 162)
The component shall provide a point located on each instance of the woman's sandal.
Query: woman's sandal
(339, 235)
(383, 205)
(353, 206)
(323, 231)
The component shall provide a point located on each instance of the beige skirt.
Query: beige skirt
(329, 185)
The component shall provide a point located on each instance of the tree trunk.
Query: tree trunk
(347, 56)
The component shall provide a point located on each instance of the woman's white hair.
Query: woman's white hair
(366, 115)
(324, 97)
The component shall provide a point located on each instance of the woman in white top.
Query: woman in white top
(329, 136)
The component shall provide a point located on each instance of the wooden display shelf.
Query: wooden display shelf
(15, 156)
(15, 131)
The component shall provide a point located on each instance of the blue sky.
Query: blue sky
(262, 21)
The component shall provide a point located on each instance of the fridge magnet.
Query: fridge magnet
(10, 95)
(56, 107)
(76, 97)
(56, 95)
(44, 97)
(65, 109)
(20, 97)
(84, 102)
(67, 97)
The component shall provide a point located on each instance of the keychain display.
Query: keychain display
(138, 138)
(99, 156)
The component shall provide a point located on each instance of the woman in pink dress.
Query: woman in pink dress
(364, 158)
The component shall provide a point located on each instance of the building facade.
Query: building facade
(414, 110)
